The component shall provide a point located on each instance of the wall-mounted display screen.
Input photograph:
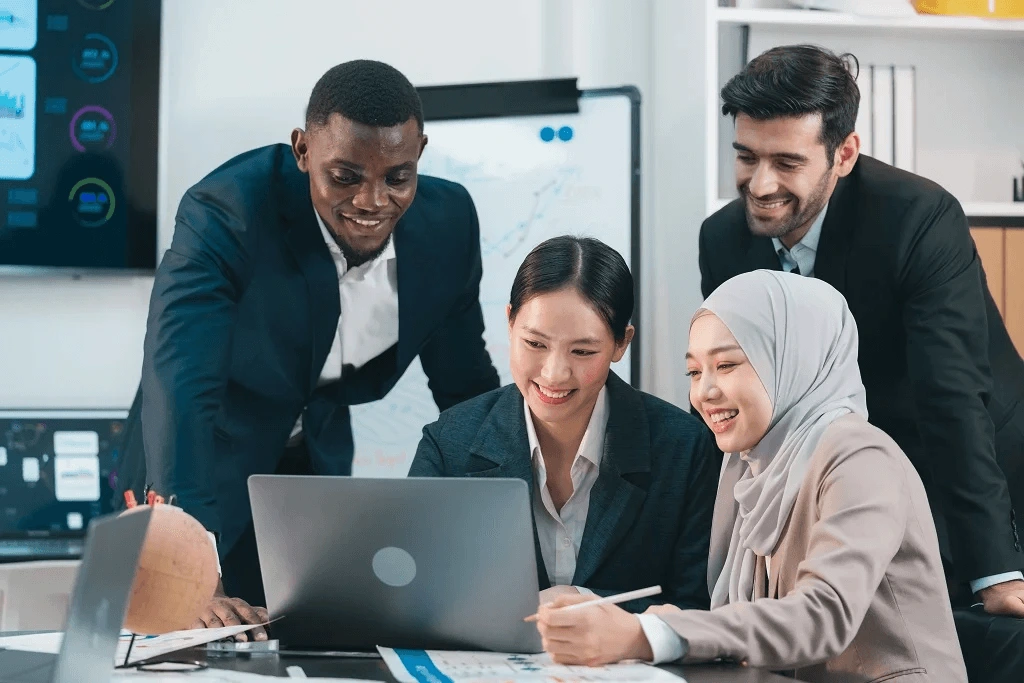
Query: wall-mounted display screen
(79, 91)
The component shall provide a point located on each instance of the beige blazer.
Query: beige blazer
(857, 580)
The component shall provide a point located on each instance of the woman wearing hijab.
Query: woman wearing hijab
(614, 474)
(824, 560)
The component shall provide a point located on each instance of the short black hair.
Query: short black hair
(796, 80)
(367, 92)
(591, 267)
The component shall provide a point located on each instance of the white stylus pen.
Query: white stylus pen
(610, 600)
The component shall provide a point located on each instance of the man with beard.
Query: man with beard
(942, 376)
(302, 280)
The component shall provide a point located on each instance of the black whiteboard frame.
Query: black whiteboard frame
(538, 98)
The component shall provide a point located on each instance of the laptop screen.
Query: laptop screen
(57, 470)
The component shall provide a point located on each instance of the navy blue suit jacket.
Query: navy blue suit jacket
(649, 520)
(243, 313)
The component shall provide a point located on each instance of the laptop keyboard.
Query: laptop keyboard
(70, 548)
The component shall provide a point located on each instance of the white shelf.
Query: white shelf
(973, 209)
(995, 209)
(997, 28)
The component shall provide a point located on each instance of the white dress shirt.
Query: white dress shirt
(368, 324)
(560, 532)
(804, 252)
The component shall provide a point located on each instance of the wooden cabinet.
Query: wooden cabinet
(1002, 255)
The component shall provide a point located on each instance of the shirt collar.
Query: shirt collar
(592, 446)
(810, 240)
(387, 255)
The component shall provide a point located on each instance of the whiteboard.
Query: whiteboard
(531, 178)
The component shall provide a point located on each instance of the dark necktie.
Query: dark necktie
(796, 270)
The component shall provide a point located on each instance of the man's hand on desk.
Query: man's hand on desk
(225, 611)
(1005, 599)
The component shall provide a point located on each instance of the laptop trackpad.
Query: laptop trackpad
(26, 667)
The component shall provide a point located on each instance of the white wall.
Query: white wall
(236, 74)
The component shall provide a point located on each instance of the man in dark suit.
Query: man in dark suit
(942, 376)
(301, 281)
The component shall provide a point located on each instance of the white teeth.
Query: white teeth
(721, 417)
(770, 205)
(368, 224)
(554, 394)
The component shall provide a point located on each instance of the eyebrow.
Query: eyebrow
(407, 166)
(780, 155)
(538, 333)
(717, 350)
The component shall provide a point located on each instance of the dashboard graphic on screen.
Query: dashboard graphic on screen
(78, 133)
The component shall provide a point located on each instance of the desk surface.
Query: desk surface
(375, 669)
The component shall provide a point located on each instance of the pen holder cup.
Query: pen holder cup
(176, 576)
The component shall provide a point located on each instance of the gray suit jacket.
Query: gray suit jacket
(650, 511)
(856, 579)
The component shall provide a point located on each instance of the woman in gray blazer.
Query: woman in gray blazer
(824, 560)
(622, 483)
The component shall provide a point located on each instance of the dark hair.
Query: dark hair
(367, 92)
(591, 267)
(795, 80)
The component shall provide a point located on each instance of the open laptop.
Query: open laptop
(97, 609)
(57, 472)
(414, 563)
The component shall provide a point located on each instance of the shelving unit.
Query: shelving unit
(920, 37)
(829, 21)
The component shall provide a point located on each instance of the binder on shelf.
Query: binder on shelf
(882, 113)
(904, 129)
(863, 125)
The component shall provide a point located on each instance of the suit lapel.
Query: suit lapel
(834, 245)
(306, 242)
(761, 254)
(503, 441)
(615, 500)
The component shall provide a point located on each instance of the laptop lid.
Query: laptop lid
(413, 563)
(100, 599)
(57, 470)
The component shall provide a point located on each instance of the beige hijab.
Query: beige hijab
(801, 339)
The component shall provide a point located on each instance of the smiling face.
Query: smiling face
(784, 173)
(560, 351)
(725, 388)
(361, 178)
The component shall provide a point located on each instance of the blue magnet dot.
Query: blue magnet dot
(565, 133)
(547, 133)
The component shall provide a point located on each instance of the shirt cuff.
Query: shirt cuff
(665, 643)
(988, 581)
(213, 541)
(584, 591)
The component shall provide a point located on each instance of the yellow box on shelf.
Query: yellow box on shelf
(994, 9)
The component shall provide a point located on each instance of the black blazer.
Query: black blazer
(899, 249)
(649, 520)
(242, 316)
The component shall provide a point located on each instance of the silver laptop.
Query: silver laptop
(413, 563)
(98, 605)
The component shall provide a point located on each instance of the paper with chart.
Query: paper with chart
(444, 666)
(531, 178)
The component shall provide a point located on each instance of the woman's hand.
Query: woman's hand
(591, 636)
